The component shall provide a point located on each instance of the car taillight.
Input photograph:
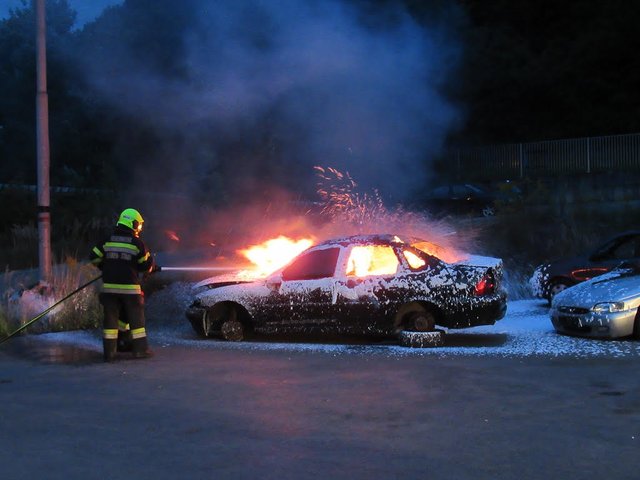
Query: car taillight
(486, 285)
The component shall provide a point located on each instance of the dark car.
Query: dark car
(468, 198)
(382, 285)
(551, 278)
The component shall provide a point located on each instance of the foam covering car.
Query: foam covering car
(380, 285)
(603, 307)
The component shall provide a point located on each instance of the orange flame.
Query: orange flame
(448, 255)
(271, 255)
(372, 260)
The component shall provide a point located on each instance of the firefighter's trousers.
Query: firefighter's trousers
(132, 306)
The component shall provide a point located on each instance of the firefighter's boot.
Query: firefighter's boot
(139, 344)
(109, 346)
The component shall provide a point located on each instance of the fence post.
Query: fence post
(521, 155)
(588, 154)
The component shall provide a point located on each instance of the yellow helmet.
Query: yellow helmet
(131, 218)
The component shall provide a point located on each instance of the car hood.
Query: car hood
(220, 280)
(616, 286)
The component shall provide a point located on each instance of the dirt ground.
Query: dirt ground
(202, 413)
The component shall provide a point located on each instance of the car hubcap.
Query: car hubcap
(423, 323)
(557, 288)
(232, 331)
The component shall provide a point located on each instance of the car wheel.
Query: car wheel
(232, 330)
(223, 317)
(421, 339)
(230, 327)
(636, 326)
(555, 287)
(419, 320)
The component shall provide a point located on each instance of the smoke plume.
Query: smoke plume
(235, 100)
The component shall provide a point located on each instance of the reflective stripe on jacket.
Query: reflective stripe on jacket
(122, 257)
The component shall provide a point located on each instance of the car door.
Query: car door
(363, 277)
(304, 298)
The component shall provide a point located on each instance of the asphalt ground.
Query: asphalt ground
(246, 413)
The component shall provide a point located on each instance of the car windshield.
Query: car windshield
(430, 249)
(620, 248)
(313, 265)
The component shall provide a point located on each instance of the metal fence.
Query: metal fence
(617, 153)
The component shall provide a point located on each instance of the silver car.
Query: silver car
(603, 307)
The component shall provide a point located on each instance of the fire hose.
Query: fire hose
(155, 269)
(40, 315)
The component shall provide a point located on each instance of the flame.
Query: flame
(448, 255)
(372, 260)
(271, 255)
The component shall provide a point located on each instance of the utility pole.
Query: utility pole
(42, 129)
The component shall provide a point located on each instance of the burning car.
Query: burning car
(380, 285)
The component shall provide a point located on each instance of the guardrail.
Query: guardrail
(546, 158)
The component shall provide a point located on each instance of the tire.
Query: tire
(421, 339)
(636, 326)
(226, 316)
(232, 331)
(413, 317)
(555, 287)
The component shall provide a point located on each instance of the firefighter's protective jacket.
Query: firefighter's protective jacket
(121, 258)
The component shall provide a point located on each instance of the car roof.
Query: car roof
(371, 239)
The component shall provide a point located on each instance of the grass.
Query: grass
(23, 298)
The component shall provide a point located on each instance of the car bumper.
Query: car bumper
(484, 311)
(595, 325)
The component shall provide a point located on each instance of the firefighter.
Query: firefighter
(122, 257)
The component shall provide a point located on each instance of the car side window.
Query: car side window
(415, 262)
(367, 260)
(313, 265)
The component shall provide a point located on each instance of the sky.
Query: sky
(87, 10)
